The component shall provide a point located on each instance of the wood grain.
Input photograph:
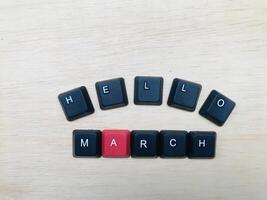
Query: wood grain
(50, 46)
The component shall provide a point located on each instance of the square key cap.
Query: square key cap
(116, 143)
(148, 90)
(173, 143)
(111, 93)
(76, 103)
(184, 94)
(201, 144)
(217, 108)
(144, 143)
(86, 143)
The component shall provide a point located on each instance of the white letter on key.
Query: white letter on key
(183, 88)
(173, 142)
(201, 143)
(143, 143)
(69, 99)
(113, 142)
(146, 86)
(220, 103)
(105, 89)
(84, 144)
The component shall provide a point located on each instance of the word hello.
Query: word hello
(148, 90)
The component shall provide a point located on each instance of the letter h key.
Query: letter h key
(76, 103)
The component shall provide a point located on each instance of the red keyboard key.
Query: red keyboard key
(116, 143)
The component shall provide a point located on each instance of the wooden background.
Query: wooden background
(50, 46)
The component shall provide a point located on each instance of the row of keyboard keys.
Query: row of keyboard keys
(112, 93)
(143, 143)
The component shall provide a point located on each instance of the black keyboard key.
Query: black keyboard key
(173, 143)
(111, 93)
(184, 94)
(86, 143)
(76, 103)
(217, 108)
(144, 143)
(148, 90)
(201, 144)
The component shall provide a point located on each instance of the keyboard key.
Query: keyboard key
(148, 90)
(144, 143)
(173, 143)
(76, 103)
(111, 93)
(116, 143)
(184, 94)
(86, 143)
(201, 144)
(217, 108)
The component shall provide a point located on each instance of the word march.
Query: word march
(148, 90)
(144, 143)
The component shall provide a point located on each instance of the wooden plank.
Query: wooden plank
(48, 47)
